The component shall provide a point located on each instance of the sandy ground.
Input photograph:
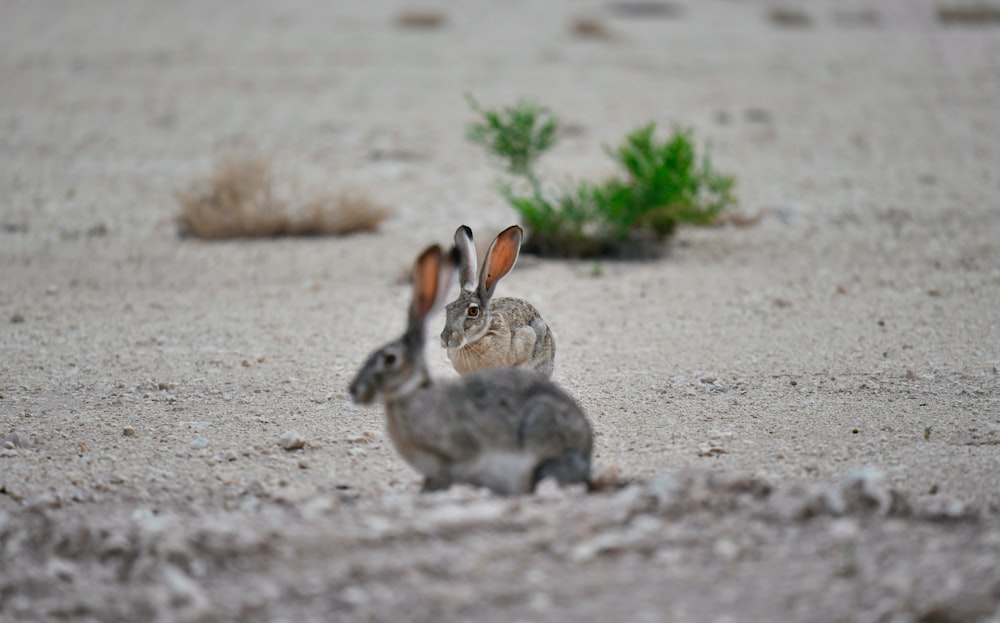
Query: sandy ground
(766, 390)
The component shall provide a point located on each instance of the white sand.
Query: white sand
(864, 309)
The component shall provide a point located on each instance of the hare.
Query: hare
(501, 428)
(480, 332)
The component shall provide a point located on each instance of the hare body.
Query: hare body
(512, 334)
(501, 428)
(480, 332)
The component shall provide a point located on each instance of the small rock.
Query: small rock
(727, 549)
(256, 489)
(757, 115)
(16, 318)
(354, 596)
(949, 509)
(710, 450)
(199, 444)
(13, 440)
(291, 440)
(98, 230)
(128, 431)
(61, 569)
(844, 529)
(318, 506)
(303, 464)
(231, 456)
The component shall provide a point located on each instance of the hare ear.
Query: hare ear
(467, 258)
(426, 273)
(499, 260)
(450, 261)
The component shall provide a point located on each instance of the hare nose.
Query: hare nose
(356, 390)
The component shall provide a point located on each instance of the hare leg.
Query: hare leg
(570, 468)
(522, 347)
(438, 482)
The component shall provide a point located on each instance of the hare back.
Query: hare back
(516, 312)
(508, 410)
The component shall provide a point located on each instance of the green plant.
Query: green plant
(662, 184)
(517, 134)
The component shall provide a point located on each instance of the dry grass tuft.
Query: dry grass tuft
(786, 17)
(347, 212)
(420, 20)
(591, 28)
(978, 14)
(238, 201)
(642, 9)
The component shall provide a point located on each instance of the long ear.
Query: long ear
(466, 258)
(499, 260)
(450, 261)
(426, 272)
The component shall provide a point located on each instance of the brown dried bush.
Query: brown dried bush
(787, 17)
(239, 201)
(977, 14)
(591, 28)
(641, 9)
(420, 20)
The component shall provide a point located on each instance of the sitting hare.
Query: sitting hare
(480, 332)
(502, 428)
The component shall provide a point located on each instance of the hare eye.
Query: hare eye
(473, 311)
(390, 359)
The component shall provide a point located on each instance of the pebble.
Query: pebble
(291, 440)
(199, 444)
(231, 456)
(12, 440)
(128, 431)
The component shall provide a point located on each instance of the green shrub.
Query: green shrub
(661, 185)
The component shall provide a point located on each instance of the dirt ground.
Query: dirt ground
(808, 410)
